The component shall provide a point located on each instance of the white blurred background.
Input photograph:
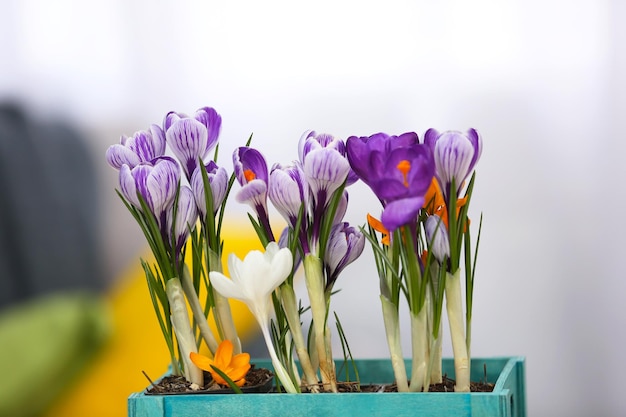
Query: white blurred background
(543, 81)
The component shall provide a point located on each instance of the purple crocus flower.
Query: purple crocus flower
(157, 184)
(310, 141)
(192, 138)
(437, 237)
(325, 170)
(345, 244)
(186, 216)
(142, 147)
(218, 181)
(251, 173)
(398, 169)
(455, 155)
(288, 190)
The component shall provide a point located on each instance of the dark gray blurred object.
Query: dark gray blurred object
(48, 209)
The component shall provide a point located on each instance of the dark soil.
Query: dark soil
(179, 385)
(259, 376)
(447, 385)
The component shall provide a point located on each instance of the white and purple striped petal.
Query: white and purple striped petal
(218, 182)
(187, 139)
(310, 141)
(142, 147)
(213, 122)
(186, 217)
(156, 183)
(325, 170)
(288, 191)
(455, 154)
(437, 237)
(345, 245)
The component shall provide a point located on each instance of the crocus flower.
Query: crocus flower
(253, 281)
(157, 184)
(192, 138)
(235, 367)
(251, 173)
(345, 244)
(186, 216)
(455, 156)
(398, 169)
(218, 181)
(288, 190)
(142, 147)
(325, 170)
(310, 141)
(437, 237)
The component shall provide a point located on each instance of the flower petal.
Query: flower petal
(226, 287)
(401, 212)
(224, 355)
(201, 361)
(187, 139)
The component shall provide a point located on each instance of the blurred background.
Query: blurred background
(543, 81)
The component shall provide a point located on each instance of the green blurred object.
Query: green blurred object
(44, 344)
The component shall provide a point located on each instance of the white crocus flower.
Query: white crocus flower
(252, 281)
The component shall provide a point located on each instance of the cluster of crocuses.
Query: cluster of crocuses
(173, 199)
(419, 253)
(179, 203)
(310, 193)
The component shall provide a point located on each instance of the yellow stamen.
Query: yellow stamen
(404, 167)
(249, 175)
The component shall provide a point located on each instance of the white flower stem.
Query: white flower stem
(279, 369)
(457, 333)
(392, 330)
(314, 278)
(198, 313)
(293, 319)
(420, 346)
(182, 328)
(221, 309)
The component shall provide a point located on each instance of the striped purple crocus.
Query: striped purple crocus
(157, 184)
(345, 244)
(218, 183)
(192, 138)
(288, 190)
(398, 169)
(186, 215)
(142, 147)
(455, 155)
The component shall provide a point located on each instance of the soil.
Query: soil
(179, 385)
(260, 376)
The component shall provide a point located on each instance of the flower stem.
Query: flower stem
(457, 333)
(182, 328)
(420, 346)
(293, 319)
(314, 278)
(221, 308)
(198, 312)
(281, 372)
(392, 330)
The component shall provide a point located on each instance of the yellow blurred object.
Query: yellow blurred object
(137, 343)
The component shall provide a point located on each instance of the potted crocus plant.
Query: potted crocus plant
(423, 254)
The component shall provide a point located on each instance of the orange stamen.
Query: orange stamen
(435, 204)
(249, 175)
(378, 226)
(404, 167)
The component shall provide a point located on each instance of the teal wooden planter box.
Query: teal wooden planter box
(508, 398)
